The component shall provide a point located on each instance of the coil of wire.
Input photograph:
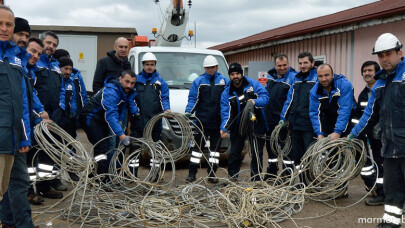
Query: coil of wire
(328, 166)
(186, 131)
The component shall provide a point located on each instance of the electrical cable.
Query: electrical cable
(280, 141)
(129, 201)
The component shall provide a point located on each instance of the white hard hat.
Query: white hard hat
(386, 42)
(148, 56)
(210, 61)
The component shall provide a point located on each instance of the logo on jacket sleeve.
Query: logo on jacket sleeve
(250, 89)
(17, 61)
(158, 82)
(55, 68)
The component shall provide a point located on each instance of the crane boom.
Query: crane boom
(173, 27)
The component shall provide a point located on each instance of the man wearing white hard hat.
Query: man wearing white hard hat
(152, 99)
(386, 105)
(204, 100)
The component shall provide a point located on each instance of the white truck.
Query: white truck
(178, 66)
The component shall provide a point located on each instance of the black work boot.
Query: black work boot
(212, 178)
(191, 178)
(192, 172)
(375, 201)
(58, 185)
(388, 225)
(271, 171)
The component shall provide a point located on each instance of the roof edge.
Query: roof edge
(83, 29)
(391, 12)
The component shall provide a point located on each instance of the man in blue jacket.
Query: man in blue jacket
(280, 79)
(204, 99)
(77, 79)
(331, 104)
(234, 99)
(152, 99)
(386, 105)
(48, 86)
(296, 110)
(14, 114)
(15, 208)
(73, 95)
(34, 48)
(103, 113)
(369, 172)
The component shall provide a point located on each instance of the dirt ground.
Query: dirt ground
(350, 212)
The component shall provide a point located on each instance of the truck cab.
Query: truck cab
(179, 67)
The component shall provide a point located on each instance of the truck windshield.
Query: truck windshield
(180, 69)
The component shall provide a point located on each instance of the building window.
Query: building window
(319, 59)
(245, 70)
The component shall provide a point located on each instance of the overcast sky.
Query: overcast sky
(218, 21)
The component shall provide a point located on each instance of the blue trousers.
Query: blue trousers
(15, 208)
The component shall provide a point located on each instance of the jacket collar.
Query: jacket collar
(320, 89)
(273, 73)
(232, 88)
(383, 74)
(9, 49)
(117, 84)
(148, 76)
(112, 55)
(209, 76)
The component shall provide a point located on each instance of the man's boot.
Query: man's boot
(192, 172)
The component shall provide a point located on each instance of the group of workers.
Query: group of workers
(313, 103)
(40, 83)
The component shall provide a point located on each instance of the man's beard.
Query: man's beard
(21, 43)
(236, 81)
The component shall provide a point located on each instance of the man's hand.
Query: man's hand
(282, 122)
(47, 121)
(334, 136)
(223, 134)
(44, 115)
(350, 137)
(24, 149)
(168, 111)
(253, 101)
(125, 140)
(320, 137)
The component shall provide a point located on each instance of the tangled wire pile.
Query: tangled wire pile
(129, 201)
(260, 204)
(328, 166)
(67, 152)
